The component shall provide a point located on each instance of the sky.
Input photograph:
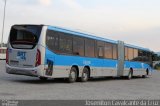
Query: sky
(135, 22)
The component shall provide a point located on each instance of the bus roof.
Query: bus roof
(92, 36)
(81, 34)
(137, 47)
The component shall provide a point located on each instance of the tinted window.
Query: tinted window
(130, 54)
(145, 56)
(108, 51)
(52, 40)
(24, 37)
(89, 48)
(136, 58)
(59, 42)
(140, 53)
(78, 46)
(126, 53)
(115, 52)
(135, 53)
(100, 49)
(65, 43)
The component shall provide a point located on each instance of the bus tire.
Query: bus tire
(43, 78)
(72, 75)
(85, 75)
(130, 75)
(145, 76)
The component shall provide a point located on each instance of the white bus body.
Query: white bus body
(52, 52)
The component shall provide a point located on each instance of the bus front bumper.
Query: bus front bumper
(23, 71)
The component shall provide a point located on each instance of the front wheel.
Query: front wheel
(130, 75)
(72, 75)
(85, 75)
(147, 73)
(144, 76)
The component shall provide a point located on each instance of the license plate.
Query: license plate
(21, 55)
(14, 63)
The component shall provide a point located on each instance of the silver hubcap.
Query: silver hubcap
(73, 75)
(130, 75)
(85, 76)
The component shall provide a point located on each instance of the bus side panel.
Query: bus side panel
(138, 68)
(147, 67)
(98, 67)
(58, 66)
(110, 67)
(62, 65)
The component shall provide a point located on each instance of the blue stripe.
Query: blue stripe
(65, 60)
(137, 65)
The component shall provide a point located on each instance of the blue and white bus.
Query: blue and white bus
(53, 52)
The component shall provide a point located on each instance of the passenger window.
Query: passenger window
(126, 53)
(108, 51)
(135, 53)
(130, 54)
(89, 48)
(78, 46)
(65, 43)
(100, 49)
(52, 40)
(100, 52)
(115, 52)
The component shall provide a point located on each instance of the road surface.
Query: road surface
(30, 88)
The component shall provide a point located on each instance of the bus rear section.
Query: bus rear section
(23, 55)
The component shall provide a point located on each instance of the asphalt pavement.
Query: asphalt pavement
(16, 87)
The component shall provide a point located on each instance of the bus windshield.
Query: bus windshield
(24, 37)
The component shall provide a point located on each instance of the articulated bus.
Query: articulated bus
(52, 52)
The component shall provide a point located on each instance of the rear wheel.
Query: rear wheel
(130, 75)
(73, 75)
(147, 73)
(85, 75)
(144, 76)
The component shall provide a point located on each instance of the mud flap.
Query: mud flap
(49, 71)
